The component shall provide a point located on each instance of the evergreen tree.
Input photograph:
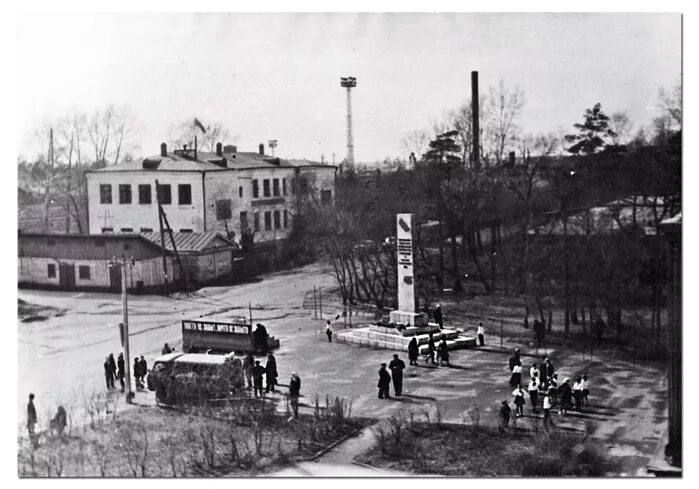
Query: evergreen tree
(592, 134)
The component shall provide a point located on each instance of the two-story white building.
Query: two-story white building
(226, 191)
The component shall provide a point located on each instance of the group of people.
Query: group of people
(544, 379)
(441, 351)
(114, 369)
(256, 374)
(396, 366)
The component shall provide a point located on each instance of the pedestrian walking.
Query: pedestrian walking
(121, 371)
(430, 350)
(585, 384)
(294, 392)
(516, 377)
(113, 367)
(514, 360)
(271, 372)
(413, 351)
(577, 394)
(396, 367)
(248, 365)
(533, 389)
(481, 334)
(547, 409)
(438, 318)
(108, 374)
(384, 382)
(519, 400)
(137, 373)
(258, 372)
(565, 394)
(31, 415)
(443, 352)
(144, 370)
(504, 416)
(329, 332)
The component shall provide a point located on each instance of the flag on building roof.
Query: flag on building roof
(198, 124)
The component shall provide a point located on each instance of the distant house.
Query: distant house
(227, 191)
(82, 262)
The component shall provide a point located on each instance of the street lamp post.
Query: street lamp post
(125, 325)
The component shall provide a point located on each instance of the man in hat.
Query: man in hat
(258, 372)
(271, 371)
(108, 375)
(397, 366)
(121, 371)
(514, 360)
(438, 316)
(384, 382)
(565, 394)
(294, 392)
(413, 351)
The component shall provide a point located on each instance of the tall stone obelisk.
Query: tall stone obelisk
(407, 310)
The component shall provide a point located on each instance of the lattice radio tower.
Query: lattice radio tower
(349, 82)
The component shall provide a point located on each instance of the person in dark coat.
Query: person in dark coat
(505, 411)
(108, 374)
(443, 352)
(430, 350)
(565, 394)
(514, 359)
(271, 371)
(258, 372)
(481, 334)
(260, 338)
(113, 367)
(31, 415)
(60, 421)
(121, 371)
(438, 316)
(384, 382)
(248, 365)
(144, 369)
(413, 351)
(294, 392)
(329, 331)
(137, 373)
(396, 367)
(166, 349)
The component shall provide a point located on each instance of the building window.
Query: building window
(256, 221)
(107, 230)
(146, 230)
(265, 188)
(243, 221)
(284, 186)
(326, 197)
(127, 230)
(124, 193)
(240, 192)
(186, 231)
(277, 220)
(184, 193)
(50, 242)
(164, 194)
(268, 220)
(286, 219)
(255, 189)
(84, 272)
(144, 196)
(304, 185)
(105, 194)
(52, 270)
(293, 185)
(275, 187)
(100, 243)
(223, 209)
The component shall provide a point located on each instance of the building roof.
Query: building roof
(205, 161)
(192, 242)
(309, 163)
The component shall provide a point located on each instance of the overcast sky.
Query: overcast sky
(277, 76)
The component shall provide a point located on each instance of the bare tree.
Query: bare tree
(184, 133)
(415, 142)
(502, 110)
(622, 127)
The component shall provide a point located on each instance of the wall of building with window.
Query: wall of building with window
(126, 201)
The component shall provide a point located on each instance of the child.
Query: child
(585, 385)
(534, 393)
(533, 371)
(519, 401)
(516, 377)
(547, 408)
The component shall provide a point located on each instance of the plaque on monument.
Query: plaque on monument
(407, 310)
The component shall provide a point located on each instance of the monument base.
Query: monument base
(408, 318)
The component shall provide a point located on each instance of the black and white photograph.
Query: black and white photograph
(347, 245)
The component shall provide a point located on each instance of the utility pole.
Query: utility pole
(162, 236)
(475, 125)
(349, 82)
(124, 324)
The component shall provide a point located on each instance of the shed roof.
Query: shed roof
(192, 242)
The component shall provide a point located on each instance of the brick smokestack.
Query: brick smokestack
(163, 149)
(475, 126)
(262, 149)
(219, 149)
